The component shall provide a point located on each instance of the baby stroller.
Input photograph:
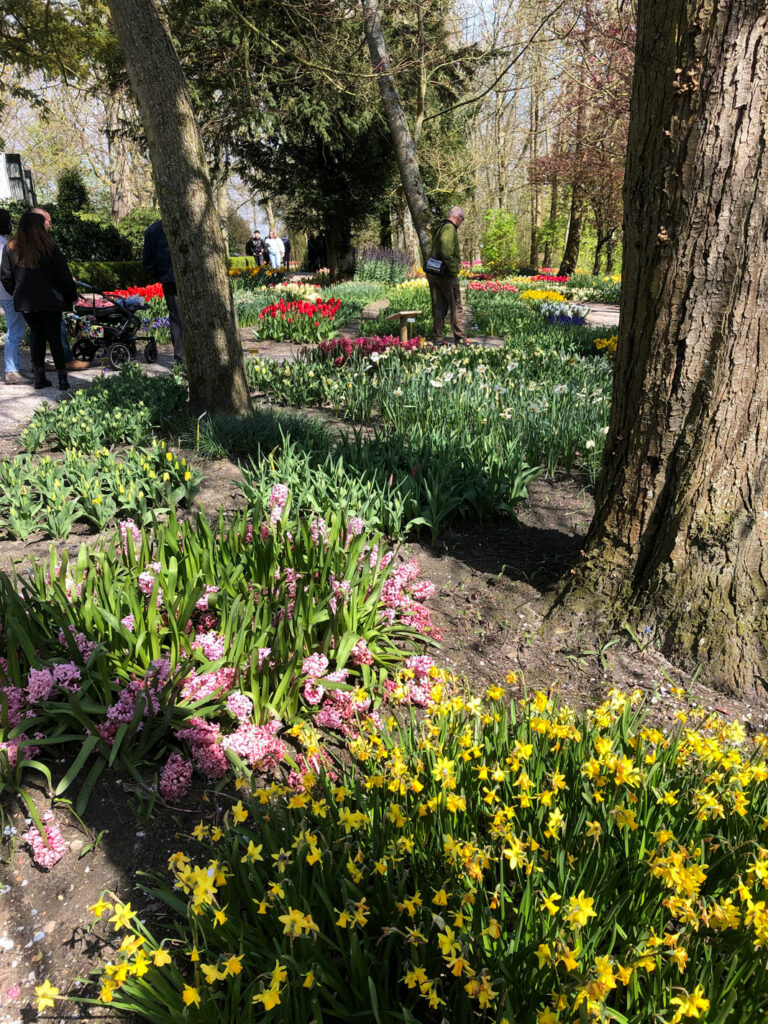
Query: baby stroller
(106, 327)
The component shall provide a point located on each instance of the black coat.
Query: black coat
(255, 247)
(156, 256)
(49, 288)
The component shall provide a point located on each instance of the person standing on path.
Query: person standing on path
(14, 322)
(444, 280)
(33, 270)
(254, 247)
(69, 358)
(276, 250)
(156, 258)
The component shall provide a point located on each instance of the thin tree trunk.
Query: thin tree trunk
(405, 150)
(554, 204)
(270, 215)
(680, 537)
(213, 352)
(119, 160)
(573, 239)
(534, 183)
(610, 253)
(222, 208)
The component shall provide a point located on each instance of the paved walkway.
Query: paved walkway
(602, 315)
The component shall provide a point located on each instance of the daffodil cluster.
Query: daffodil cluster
(492, 862)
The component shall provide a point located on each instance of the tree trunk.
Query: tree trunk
(554, 203)
(575, 225)
(212, 348)
(119, 160)
(405, 150)
(610, 253)
(222, 208)
(269, 210)
(679, 541)
(534, 183)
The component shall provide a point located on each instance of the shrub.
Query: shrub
(105, 276)
(498, 243)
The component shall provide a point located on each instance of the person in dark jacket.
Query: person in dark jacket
(255, 247)
(156, 258)
(33, 270)
(287, 254)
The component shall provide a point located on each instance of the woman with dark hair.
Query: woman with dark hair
(36, 274)
(14, 322)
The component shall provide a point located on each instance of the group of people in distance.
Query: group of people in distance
(273, 249)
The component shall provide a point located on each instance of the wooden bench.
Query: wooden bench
(405, 315)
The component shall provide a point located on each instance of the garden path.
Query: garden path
(602, 315)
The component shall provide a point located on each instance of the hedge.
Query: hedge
(127, 273)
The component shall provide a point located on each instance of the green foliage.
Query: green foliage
(133, 226)
(498, 243)
(491, 863)
(46, 497)
(72, 194)
(126, 408)
(105, 276)
(591, 288)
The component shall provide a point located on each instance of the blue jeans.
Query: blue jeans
(15, 335)
(274, 260)
(68, 357)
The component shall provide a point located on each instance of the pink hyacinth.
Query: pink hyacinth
(212, 645)
(240, 706)
(207, 754)
(128, 622)
(257, 745)
(49, 846)
(12, 747)
(360, 655)
(127, 526)
(315, 665)
(175, 778)
(313, 692)
(40, 685)
(202, 603)
(85, 646)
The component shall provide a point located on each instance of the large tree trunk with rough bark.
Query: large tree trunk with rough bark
(212, 349)
(402, 140)
(680, 537)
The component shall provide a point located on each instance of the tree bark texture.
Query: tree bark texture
(212, 348)
(405, 149)
(680, 536)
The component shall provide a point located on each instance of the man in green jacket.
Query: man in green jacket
(444, 287)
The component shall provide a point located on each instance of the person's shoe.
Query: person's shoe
(63, 382)
(41, 381)
(14, 378)
(78, 364)
(27, 375)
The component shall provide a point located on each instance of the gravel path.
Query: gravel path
(602, 315)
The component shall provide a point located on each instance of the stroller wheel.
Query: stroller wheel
(83, 350)
(150, 351)
(119, 354)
